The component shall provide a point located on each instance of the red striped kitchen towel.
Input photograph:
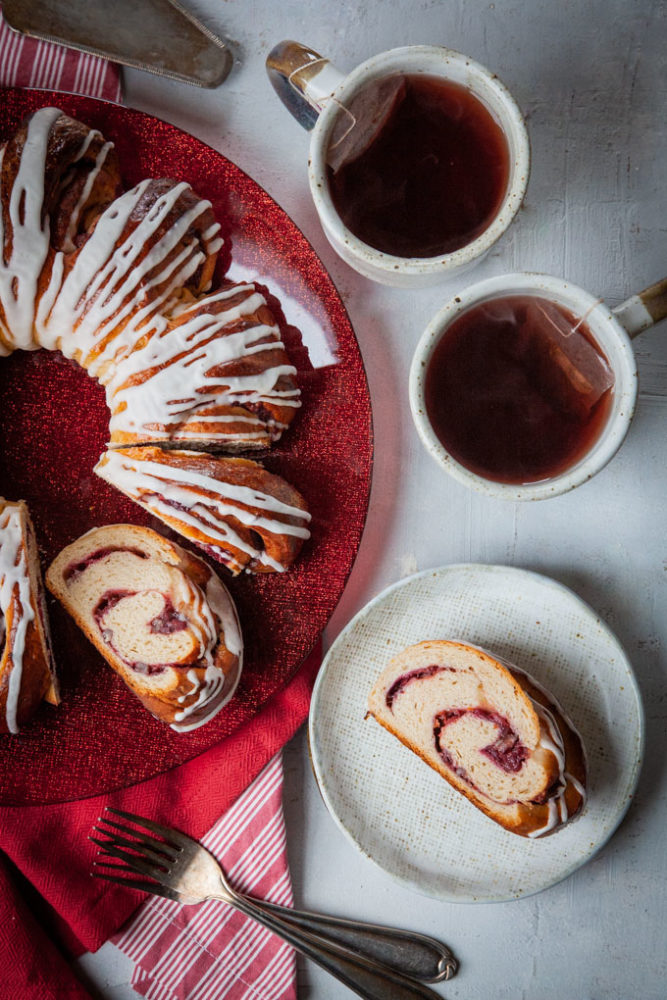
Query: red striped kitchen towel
(27, 62)
(211, 951)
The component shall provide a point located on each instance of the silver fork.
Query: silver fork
(378, 963)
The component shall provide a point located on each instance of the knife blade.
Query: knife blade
(159, 36)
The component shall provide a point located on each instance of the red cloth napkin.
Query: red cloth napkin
(211, 951)
(48, 845)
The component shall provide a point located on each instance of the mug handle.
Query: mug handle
(303, 80)
(642, 310)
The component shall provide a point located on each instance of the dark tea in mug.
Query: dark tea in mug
(517, 390)
(418, 167)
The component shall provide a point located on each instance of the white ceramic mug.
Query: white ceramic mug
(612, 331)
(316, 93)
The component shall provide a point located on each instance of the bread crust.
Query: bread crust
(65, 175)
(32, 656)
(235, 329)
(266, 547)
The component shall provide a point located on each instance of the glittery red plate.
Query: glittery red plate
(53, 427)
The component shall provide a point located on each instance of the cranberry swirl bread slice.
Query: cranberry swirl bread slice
(26, 667)
(245, 517)
(159, 616)
(489, 729)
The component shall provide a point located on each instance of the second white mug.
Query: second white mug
(611, 332)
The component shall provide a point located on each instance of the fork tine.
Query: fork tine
(173, 837)
(145, 846)
(132, 883)
(158, 860)
(170, 850)
(113, 866)
(132, 862)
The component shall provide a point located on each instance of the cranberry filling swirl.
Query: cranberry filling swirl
(115, 605)
(507, 751)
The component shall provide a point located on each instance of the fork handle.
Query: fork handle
(366, 978)
(415, 955)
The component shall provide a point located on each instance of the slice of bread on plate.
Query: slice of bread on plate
(489, 729)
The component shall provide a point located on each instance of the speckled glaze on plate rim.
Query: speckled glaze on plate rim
(364, 843)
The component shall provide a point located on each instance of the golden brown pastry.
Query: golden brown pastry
(242, 515)
(216, 377)
(86, 269)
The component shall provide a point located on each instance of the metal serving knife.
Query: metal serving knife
(159, 36)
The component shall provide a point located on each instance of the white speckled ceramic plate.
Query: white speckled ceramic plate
(402, 814)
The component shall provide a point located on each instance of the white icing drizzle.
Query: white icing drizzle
(14, 586)
(219, 600)
(551, 739)
(30, 232)
(181, 388)
(171, 492)
(213, 684)
(200, 618)
(82, 309)
(29, 235)
(68, 241)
